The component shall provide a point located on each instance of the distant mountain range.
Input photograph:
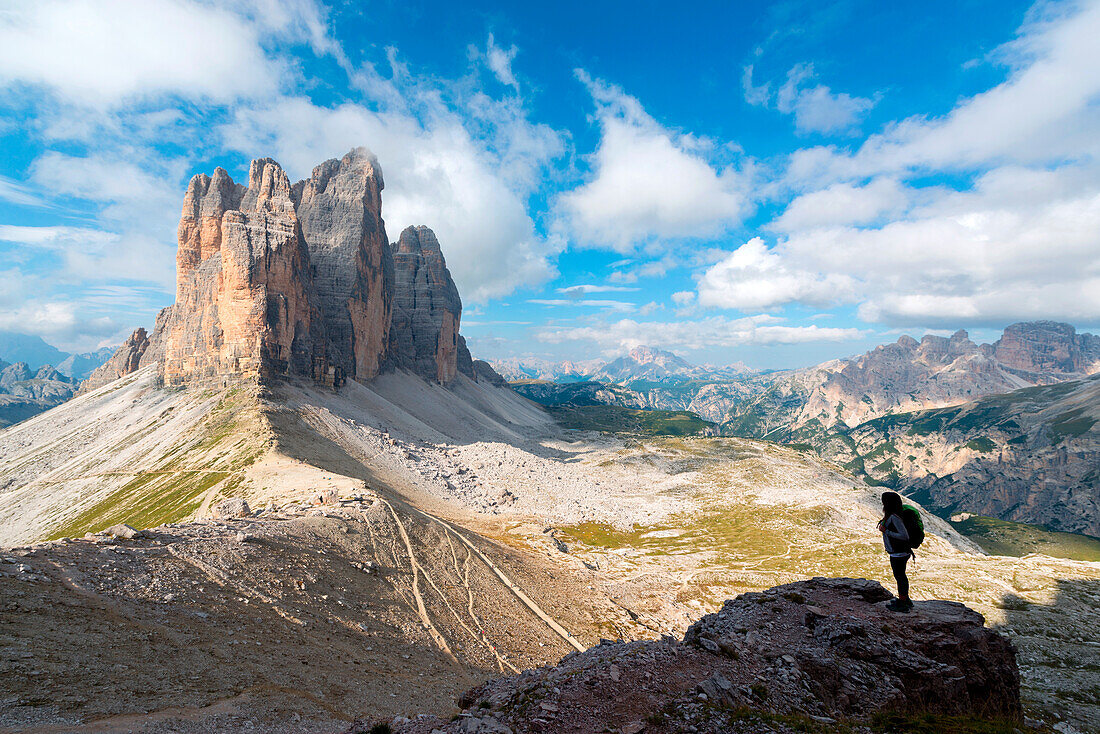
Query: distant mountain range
(42, 375)
(841, 409)
(910, 375)
(641, 364)
(1031, 455)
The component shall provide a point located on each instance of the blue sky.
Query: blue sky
(773, 183)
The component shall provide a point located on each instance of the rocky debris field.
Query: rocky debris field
(817, 653)
(292, 618)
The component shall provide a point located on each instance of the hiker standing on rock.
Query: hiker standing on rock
(902, 531)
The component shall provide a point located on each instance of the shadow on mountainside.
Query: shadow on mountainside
(1057, 646)
(194, 630)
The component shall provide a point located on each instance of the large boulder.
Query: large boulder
(821, 650)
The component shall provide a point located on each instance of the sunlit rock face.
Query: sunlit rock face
(1042, 347)
(247, 306)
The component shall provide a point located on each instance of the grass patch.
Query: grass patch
(938, 724)
(1007, 538)
(615, 419)
(148, 500)
(981, 444)
(1070, 424)
(229, 438)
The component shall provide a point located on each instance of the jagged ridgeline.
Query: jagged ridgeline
(278, 279)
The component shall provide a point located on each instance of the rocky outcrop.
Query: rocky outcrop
(818, 650)
(139, 350)
(465, 362)
(279, 280)
(1039, 348)
(427, 308)
(484, 372)
(124, 361)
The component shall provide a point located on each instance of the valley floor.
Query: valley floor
(472, 537)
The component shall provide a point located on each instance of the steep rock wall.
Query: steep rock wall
(280, 280)
(427, 308)
(340, 209)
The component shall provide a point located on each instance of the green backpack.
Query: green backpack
(913, 525)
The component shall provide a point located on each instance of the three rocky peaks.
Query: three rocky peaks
(275, 279)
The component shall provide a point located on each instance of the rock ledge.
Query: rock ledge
(823, 650)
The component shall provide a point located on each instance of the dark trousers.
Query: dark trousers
(897, 565)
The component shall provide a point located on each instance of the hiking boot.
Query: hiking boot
(897, 605)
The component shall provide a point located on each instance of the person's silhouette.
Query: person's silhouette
(896, 539)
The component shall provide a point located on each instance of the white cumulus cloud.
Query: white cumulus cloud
(648, 181)
(102, 52)
(843, 203)
(753, 277)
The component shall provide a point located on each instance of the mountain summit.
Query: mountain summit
(275, 279)
(642, 363)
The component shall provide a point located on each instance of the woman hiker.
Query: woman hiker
(896, 539)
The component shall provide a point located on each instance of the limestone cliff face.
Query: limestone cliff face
(275, 279)
(1030, 455)
(340, 209)
(192, 342)
(124, 361)
(265, 304)
(427, 308)
(246, 306)
(1040, 347)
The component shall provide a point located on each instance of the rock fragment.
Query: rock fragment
(231, 508)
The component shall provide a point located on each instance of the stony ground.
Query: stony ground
(297, 619)
(569, 535)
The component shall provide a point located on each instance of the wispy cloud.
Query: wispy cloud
(17, 193)
(577, 291)
(815, 107)
(585, 302)
(708, 333)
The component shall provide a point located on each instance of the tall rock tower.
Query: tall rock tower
(427, 307)
(340, 209)
(279, 280)
(244, 290)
